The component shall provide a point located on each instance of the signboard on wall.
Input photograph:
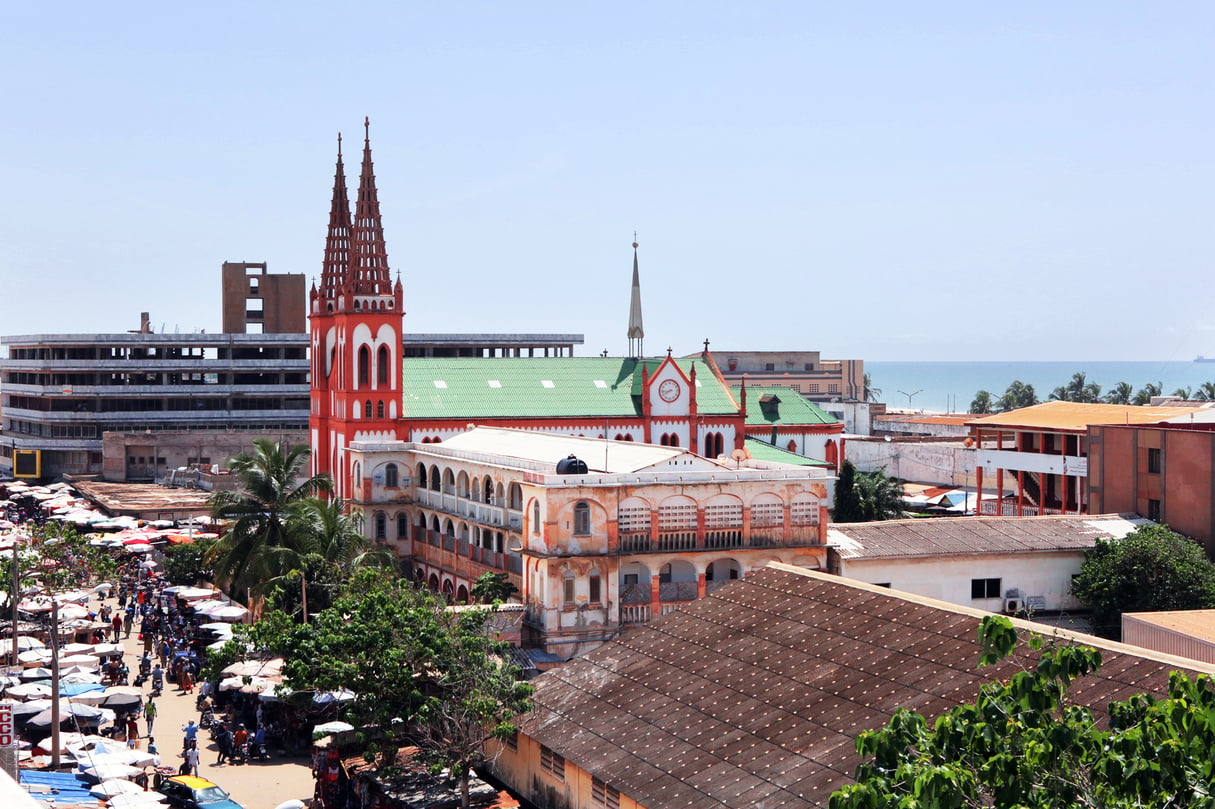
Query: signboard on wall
(27, 463)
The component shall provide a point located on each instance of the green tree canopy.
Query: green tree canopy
(1018, 394)
(1120, 394)
(982, 404)
(186, 563)
(260, 513)
(866, 496)
(1150, 569)
(324, 547)
(1025, 744)
(422, 673)
(1144, 395)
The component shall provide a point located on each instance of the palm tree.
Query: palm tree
(1144, 395)
(982, 403)
(1205, 392)
(1016, 396)
(1078, 389)
(872, 394)
(326, 545)
(880, 497)
(1120, 394)
(259, 514)
(1182, 393)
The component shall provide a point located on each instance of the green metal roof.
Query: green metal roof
(786, 407)
(542, 387)
(763, 451)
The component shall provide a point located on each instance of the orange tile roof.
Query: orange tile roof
(1075, 416)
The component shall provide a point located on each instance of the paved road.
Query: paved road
(259, 785)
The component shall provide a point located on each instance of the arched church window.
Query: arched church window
(364, 366)
(381, 366)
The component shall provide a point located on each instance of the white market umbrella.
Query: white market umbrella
(332, 727)
(106, 770)
(34, 657)
(231, 613)
(84, 661)
(115, 786)
(37, 673)
(28, 690)
(140, 800)
(106, 649)
(217, 626)
(24, 643)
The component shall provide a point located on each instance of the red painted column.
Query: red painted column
(700, 586)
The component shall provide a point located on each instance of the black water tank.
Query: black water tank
(571, 466)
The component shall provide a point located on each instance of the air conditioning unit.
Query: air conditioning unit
(1013, 606)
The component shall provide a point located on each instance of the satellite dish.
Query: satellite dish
(739, 455)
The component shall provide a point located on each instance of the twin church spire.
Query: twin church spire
(355, 266)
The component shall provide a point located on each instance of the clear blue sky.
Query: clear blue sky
(888, 181)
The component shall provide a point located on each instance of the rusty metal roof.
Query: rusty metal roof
(972, 535)
(1074, 416)
(754, 695)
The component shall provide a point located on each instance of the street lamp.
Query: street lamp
(909, 395)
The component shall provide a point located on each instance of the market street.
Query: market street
(259, 785)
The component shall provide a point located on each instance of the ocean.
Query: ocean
(949, 387)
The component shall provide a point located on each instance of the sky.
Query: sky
(880, 181)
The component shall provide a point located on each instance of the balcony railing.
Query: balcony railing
(717, 539)
(634, 613)
(454, 554)
(994, 508)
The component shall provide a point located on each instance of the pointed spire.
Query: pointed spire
(369, 256)
(337, 241)
(636, 331)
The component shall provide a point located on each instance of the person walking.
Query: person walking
(191, 764)
(223, 741)
(128, 619)
(149, 713)
(116, 625)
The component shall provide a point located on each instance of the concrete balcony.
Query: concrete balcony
(718, 539)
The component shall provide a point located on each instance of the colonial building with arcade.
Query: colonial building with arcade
(670, 497)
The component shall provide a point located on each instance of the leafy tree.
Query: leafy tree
(259, 513)
(1150, 569)
(1144, 395)
(866, 496)
(325, 545)
(57, 557)
(1017, 395)
(982, 404)
(847, 505)
(422, 673)
(1120, 394)
(879, 497)
(185, 564)
(1026, 744)
(492, 588)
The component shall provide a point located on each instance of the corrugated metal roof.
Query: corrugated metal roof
(784, 406)
(1198, 623)
(763, 451)
(754, 695)
(1075, 416)
(971, 535)
(540, 387)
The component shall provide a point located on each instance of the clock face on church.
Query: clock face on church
(669, 390)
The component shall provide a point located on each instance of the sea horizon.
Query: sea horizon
(949, 386)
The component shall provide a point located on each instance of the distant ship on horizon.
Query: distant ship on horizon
(1203, 358)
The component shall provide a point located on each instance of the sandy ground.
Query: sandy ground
(257, 785)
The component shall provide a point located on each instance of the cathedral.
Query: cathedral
(363, 389)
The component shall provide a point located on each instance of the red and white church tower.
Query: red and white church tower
(355, 324)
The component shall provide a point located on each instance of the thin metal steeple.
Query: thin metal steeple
(636, 331)
(369, 273)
